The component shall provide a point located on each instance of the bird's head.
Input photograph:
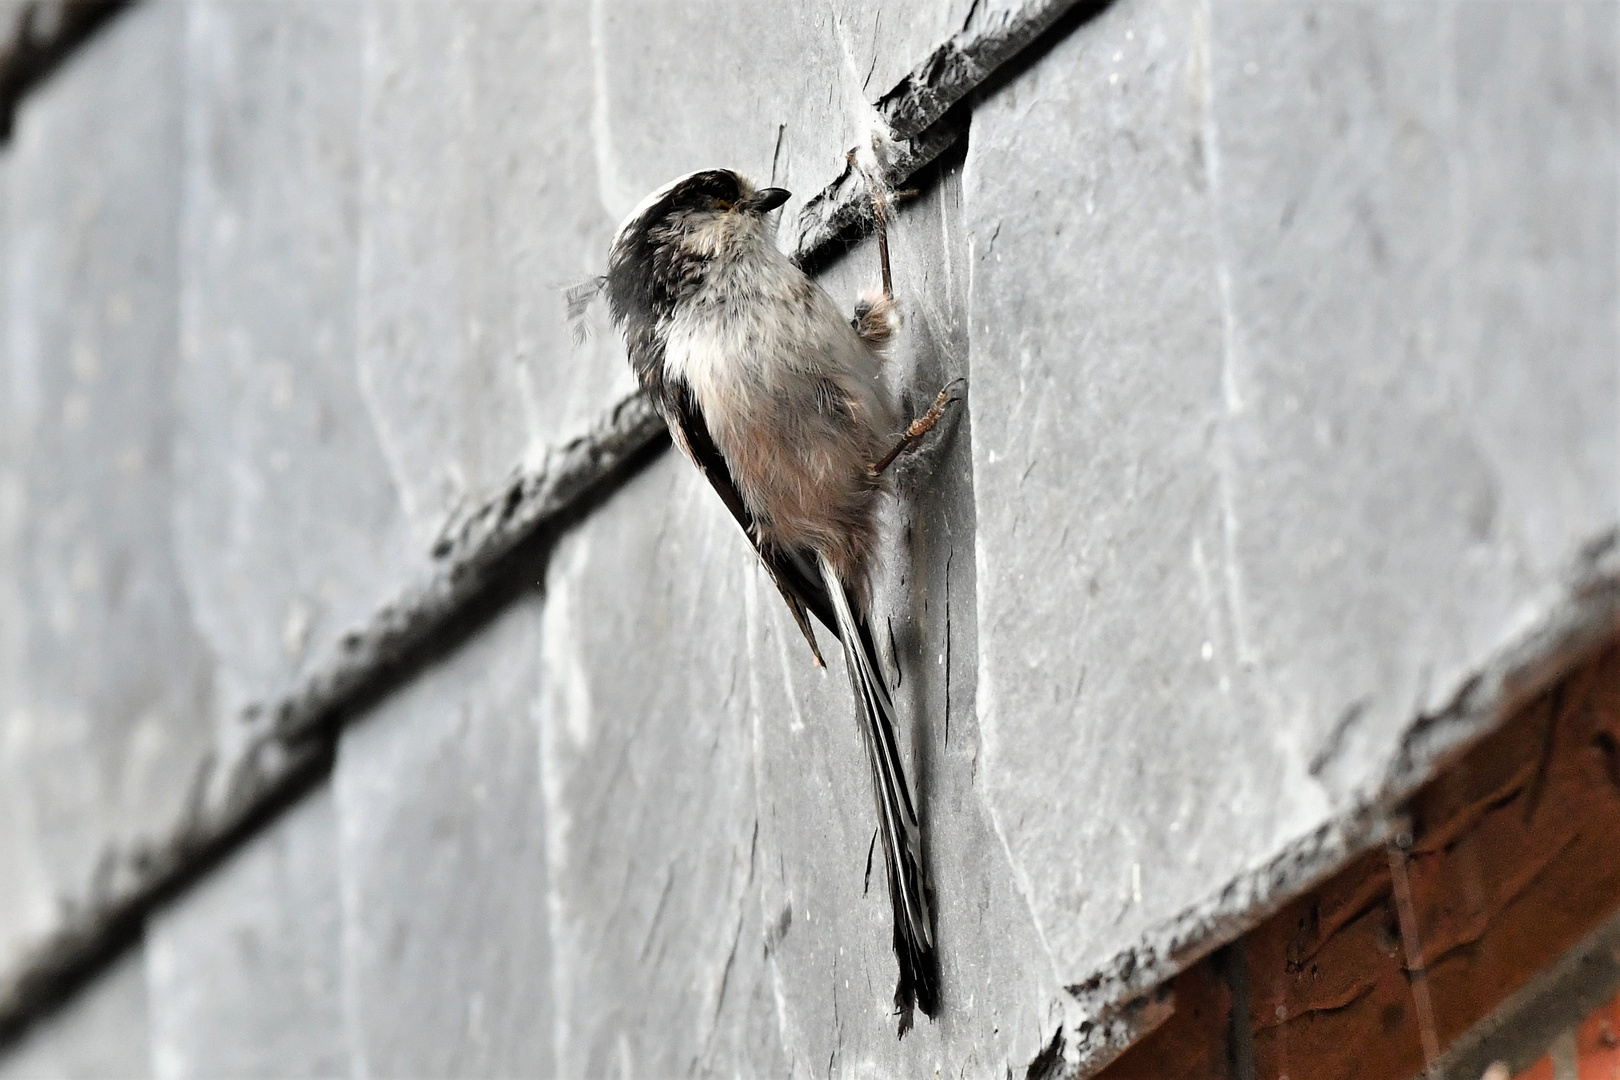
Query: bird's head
(666, 245)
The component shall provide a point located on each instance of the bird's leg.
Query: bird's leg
(878, 336)
(880, 218)
(880, 213)
(950, 395)
(874, 313)
(952, 392)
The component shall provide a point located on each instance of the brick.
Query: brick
(1498, 916)
(1589, 1052)
(1263, 454)
(1258, 399)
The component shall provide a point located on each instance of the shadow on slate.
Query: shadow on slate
(40, 37)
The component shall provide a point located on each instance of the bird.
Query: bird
(776, 397)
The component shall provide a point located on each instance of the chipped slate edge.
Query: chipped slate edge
(297, 734)
(469, 559)
(292, 739)
(958, 67)
(916, 118)
(36, 38)
(842, 212)
(295, 738)
(1580, 619)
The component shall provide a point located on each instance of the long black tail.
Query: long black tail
(897, 815)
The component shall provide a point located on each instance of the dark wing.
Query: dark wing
(799, 586)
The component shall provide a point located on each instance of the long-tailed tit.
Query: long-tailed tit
(775, 396)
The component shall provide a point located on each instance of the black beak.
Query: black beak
(768, 199)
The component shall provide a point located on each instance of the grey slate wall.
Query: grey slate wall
(108, 703)
(1291, 440)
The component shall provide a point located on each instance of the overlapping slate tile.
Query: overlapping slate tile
(1120, 753)
(289, 528)
(479, 208)
(442, 850)
(1418, 207)
(109, 721)
(648, 773)
(244, 973)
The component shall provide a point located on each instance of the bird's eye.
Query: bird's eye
(724, 205)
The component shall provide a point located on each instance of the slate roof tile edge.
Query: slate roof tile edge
(39, 36)
(289, 742)
(1124, 998)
